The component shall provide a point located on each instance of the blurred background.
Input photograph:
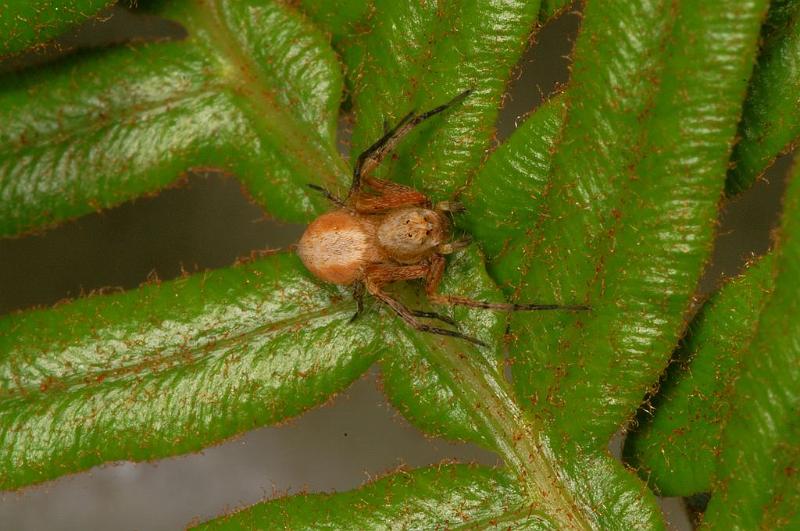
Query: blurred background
(208, 223)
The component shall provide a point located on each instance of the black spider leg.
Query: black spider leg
(408, 316)
(405, 314)
(329, 196)
(433, 315)
(358, 295)
(389, 140)
(355, 186)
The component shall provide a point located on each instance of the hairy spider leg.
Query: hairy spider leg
(433, 315)
(328, 195)
(386, 274)
(358, 295)
(373, 155)
(393, 195)
(434, 278)
(379, 275)
(388, 200)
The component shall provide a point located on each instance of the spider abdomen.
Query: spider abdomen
(336, 247)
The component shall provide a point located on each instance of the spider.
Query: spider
(385, 232)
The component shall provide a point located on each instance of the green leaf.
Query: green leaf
(771, 121)
(607, 195)
(417, 382)
(443, 497)
(626, 221)
(342, 19)
(675, 445)
(418, 55)
(612, 497)
(503, 221)
(28, 23)
(759, 463)
(127, 376)
(441, 158)
(253, 91)
(448, 388)
(171, 368)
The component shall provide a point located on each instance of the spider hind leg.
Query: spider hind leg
(358, 295)
(433, 315)
(410, 316)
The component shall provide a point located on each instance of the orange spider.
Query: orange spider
(393, 234)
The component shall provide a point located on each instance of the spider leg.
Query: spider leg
(373, 155)
(400, 197)
(451, 247)
(434, 277)
(406, 315)
(358, 295)
(449, 206)
(378, 276)
(433, 315)
(328, 195)
(377, 151)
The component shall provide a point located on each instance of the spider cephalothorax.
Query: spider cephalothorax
(385, 232)
(412, 234)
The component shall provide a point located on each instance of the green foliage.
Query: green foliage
(443, 497)
(253, 91)
(171, 368)
(417, 55)
(606, 195)
(342, 19)
(625, 218)
(726, 418)
(28, 23)
(771, 119)
(676, 448)
(521, 165)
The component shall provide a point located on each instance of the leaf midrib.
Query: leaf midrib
(166, 358)
(512, 432)
(253, 85)
(511, 517)
(115, 117)
(243, 79)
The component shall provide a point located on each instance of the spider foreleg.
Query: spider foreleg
(502, 306)
(373, 155)
(393, 199)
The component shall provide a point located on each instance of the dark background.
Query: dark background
(208, 223)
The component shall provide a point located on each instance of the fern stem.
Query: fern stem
(517, 438)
